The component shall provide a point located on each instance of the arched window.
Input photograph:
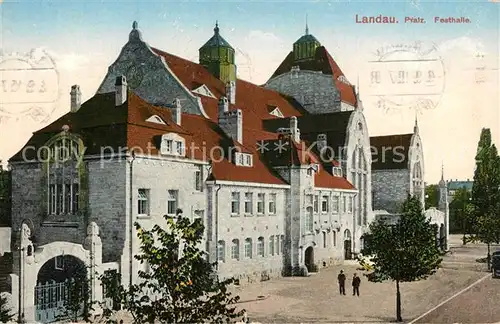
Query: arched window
(221, 251)
(334, 238)
(260, 246)
(271, 245)
(235, 249)
(325, 244)
(63, 163)
(248, 248)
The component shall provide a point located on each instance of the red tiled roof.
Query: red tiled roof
(202, 135)
(325, 63)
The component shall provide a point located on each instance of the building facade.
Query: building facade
(281, 175)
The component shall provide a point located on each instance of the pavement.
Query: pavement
(316, 298)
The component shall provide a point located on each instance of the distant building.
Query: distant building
(454, 185)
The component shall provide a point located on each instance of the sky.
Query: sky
(84, 38)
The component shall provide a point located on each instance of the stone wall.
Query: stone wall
(314, 90)
(390, 189)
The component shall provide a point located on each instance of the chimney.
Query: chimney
(76, 98)
(294, 129)
(176, 111)
(321, 141)
(231, 122)
(120, 90)
(231, 92)
(223, 105)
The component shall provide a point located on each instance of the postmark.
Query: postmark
(29, 87)
(406, 76)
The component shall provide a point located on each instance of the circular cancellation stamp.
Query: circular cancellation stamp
(29, 87)
(406, 76)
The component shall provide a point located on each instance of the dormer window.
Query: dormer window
(156, 119)
(204, 91)
(337, 171)
(275, 111)
(172, 144)
(244, 159)
(310, 172)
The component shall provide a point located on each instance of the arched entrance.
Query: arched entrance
(347, 245)
(309, 259)
(442, 237)
(61, 286)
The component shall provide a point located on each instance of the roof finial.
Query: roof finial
(442, 171)
(307, 27)
(134, 25)
(216, 29)
(357, 85)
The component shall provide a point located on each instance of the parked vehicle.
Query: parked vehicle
(495, 264)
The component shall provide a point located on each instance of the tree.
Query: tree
(6, 314)
(180, 285)
(405, 251)
(486, 193)
(431, 196)
(459, 222)
(78, 304)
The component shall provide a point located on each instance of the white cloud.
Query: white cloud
(259, 36)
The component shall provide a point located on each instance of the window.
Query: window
(271, 245)
(143, 202)
(309, 172)
(172, 202)
(272, 204)
(316, 204)
(198, 181)
(335, 204)
(221, 251)
(344, 203)
(334, 238)
(337, 171)
(248, 203)
(282, 243)
(248, 160)
(277, 244)
(240, 159)
(309, 219)
(169, 145)
(260, 247)
(349, 204)
(76, 196)
(260, 203)
(324, 240)
(180, 148)
(235, 203)
(235, 249)
(324, 204)
(52, 199)
(248, 248)
(60, 193)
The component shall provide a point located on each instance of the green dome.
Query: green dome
(305, 47)
(307, 39)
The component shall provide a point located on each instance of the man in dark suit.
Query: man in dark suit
(341, 280)
(356, 282)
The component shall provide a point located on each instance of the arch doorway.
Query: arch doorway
(347, 245)
(309, 259)
(61, 281)
(442, 237)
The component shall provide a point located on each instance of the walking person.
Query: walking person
(341, 280)
(356, 281)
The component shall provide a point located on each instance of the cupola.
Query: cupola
(305, 47)
(217, 56)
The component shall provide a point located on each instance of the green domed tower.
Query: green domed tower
(217, 56)
(305, 47)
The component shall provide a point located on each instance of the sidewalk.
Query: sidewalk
(316, 298)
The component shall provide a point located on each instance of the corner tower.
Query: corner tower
(217, 56)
